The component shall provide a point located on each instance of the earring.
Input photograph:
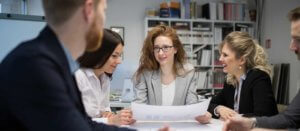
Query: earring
(240, 67)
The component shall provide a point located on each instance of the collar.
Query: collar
(243, 77)
(73, 65)
(90, 73)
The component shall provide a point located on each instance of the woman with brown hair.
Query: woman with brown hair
(164, 77)
(163, 72)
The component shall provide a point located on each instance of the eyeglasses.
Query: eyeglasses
(164, 49)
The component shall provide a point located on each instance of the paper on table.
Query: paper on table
(142, 112)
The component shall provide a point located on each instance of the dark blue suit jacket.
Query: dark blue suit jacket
(256, 98)
(38, 91)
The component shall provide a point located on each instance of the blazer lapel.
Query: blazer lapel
(157, 88)
(179, 88)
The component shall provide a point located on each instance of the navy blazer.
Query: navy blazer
(38, 92)
(256, 98)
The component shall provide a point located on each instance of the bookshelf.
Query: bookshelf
(200, 39)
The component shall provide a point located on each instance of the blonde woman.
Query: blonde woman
(247, 89)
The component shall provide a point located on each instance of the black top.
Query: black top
(38, 91)
(256, 98)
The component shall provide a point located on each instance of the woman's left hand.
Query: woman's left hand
(204, 119)
(107, 114)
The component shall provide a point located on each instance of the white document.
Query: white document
(142, 112)
(214, 125)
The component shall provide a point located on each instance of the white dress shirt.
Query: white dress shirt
(94, 90)
(168, 93)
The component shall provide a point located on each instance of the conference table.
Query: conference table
(214, 125)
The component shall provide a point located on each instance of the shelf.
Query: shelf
(218, 66)
(22, 17)
(199, 66)
(199, 20)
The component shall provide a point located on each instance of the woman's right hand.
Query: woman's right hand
(126, 117)
(225, 112)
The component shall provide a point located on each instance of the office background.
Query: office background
(131, 13)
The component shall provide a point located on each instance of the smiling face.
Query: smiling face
(295, 42)
(114, 60)
(166, 52)
(230, 62)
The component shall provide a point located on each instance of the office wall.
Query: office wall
(276, 27)
(130, 14)
(12, 32)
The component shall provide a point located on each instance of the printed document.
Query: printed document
(143, 112)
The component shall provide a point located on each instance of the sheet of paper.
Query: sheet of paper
(214, 125)
(142, 112)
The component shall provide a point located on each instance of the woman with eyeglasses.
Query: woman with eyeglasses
(164, 77)
(93, 77)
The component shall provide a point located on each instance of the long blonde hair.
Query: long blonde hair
(147, 59)
(243, 45)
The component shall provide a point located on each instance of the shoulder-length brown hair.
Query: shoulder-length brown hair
(147, 59)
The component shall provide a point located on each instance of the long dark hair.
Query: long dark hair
(98, 58)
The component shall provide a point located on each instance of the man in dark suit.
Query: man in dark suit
(38, 91)
(290, 118)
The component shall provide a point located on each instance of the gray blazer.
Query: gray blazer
(290, 118)
(148, 89)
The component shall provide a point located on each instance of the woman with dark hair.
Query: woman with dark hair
(93, 77)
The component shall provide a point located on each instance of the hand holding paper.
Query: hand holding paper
(142, 112)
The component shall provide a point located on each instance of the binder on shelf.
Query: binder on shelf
(217, 62)
(218, 35)
(209, 11)
(220, 11)
(187, 9)
(218, 78)
(206, 57)
(199, 11)
(202, 79)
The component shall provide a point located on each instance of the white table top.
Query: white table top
(215, 125)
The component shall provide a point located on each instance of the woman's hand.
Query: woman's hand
(204, 119)
(225, 112)
(125, 116)
(107, 114)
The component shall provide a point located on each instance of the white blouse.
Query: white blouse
(94, 90)
(168, 93)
